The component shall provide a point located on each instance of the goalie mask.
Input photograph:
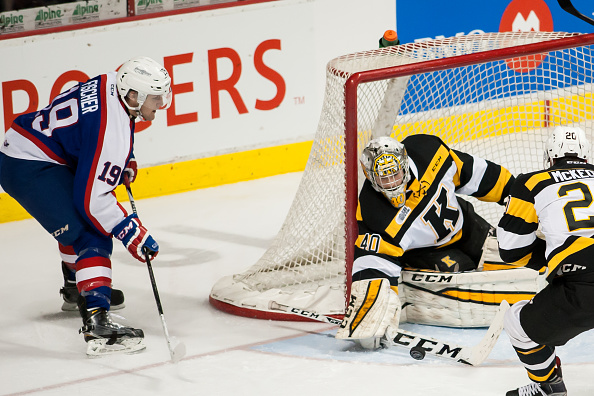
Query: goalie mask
(566, 142)
(385, 165)
(149, 79)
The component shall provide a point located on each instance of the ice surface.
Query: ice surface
(205, 235)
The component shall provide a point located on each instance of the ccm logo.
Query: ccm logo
(432, 278)
(428, 345)
(126, 229)
(436, 164)
(60, 231)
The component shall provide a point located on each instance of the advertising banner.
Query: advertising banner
(243, 77)
(430, 19)
(31, 19)
(148, 6)
(466, 17)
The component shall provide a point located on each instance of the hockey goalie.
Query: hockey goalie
(423, 254)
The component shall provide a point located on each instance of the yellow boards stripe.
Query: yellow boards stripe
(370, 298)
(198, 173)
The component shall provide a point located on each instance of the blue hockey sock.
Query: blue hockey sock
(99, 297)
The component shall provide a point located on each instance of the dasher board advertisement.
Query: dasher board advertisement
(430, 19)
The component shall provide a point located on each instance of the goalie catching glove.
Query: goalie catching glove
(135, 238)
(373, 307)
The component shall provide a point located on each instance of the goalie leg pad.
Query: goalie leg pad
(466, 299)
(373, 306)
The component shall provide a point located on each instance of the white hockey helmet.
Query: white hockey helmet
(147, 77)
(566, 142)
(385, 165)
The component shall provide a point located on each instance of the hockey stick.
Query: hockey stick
(567, 6)
(177, 349)
(306, 314)
(420, 345)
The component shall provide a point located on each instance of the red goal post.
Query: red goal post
(493, 95)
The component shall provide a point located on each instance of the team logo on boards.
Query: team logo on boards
(526, 16)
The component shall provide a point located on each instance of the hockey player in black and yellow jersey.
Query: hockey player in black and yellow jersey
(421, 222)
(409, 215)
(559, 199)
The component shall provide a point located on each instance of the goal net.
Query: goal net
(496, 96)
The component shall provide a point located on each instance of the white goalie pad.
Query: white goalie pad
(373, 306)
(464, 299)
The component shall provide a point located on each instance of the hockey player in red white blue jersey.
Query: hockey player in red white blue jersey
(409, 215)
(559, 199)
(62, 164)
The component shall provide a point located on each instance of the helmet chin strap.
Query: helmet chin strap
(139, 117)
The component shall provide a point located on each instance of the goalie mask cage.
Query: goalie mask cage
(496, 96)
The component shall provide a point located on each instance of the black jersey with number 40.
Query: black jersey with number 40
(431, 216)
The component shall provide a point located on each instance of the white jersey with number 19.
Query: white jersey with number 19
(88, 129)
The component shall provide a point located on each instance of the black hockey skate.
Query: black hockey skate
(104, 337)
(555, 387)
(70, 294)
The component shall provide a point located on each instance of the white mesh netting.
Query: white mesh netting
(501, 110)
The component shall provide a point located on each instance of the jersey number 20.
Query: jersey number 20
(572, 223)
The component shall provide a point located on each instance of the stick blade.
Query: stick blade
(481, 351)
(177, 350)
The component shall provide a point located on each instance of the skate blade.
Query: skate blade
(99, 347)
(71, 307)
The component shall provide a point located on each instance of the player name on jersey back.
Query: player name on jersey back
(571, 174)
(88, 96)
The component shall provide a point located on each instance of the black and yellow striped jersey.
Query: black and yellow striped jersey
(561, 200)
(431, 216)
